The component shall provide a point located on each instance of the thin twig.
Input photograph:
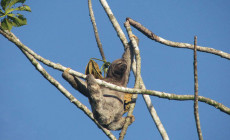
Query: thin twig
(95, 30)
(66, 93)
(196, 112)
(152, 36)
(11, 37)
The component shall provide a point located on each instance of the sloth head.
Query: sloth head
(117, 69)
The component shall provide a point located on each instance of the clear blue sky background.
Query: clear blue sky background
(33, 109)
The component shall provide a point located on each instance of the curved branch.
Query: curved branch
(156, 38)
(95, 30)
(11, 37)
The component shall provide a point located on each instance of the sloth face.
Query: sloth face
(120, 68)
(117, 69)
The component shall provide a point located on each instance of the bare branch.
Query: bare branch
(196, 112)
(151, 109)
(137, 79)
(152, 36)
(11, 37)
(95, 30)
(146, 97)
(114, 22)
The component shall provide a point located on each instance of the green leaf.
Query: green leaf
(13, 2)
(23, 8)
(6, 24)
(27, 8)
(18, 20)
(9, 18)
(4, 3)
(9, 10)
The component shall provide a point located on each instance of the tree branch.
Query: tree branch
(114, 22)
(147, 99)
(11, 37)
(156, 38)
(196, 112)
(95, 30)
(137, 79)
(151, 109)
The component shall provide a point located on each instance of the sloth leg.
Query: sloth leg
(120, 123)
(117, 125)
(95, 94)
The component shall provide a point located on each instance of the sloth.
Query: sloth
(107, 105)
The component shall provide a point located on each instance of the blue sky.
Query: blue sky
(32, 108)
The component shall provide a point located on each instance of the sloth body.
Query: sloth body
(107, 105)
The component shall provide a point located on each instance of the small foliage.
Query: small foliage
(104, 67)
(8, 18)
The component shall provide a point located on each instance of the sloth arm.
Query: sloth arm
(75, 82)
(128, 56)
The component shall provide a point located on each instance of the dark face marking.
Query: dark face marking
(117, 69)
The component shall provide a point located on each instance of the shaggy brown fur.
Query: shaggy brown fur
(107, 105)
